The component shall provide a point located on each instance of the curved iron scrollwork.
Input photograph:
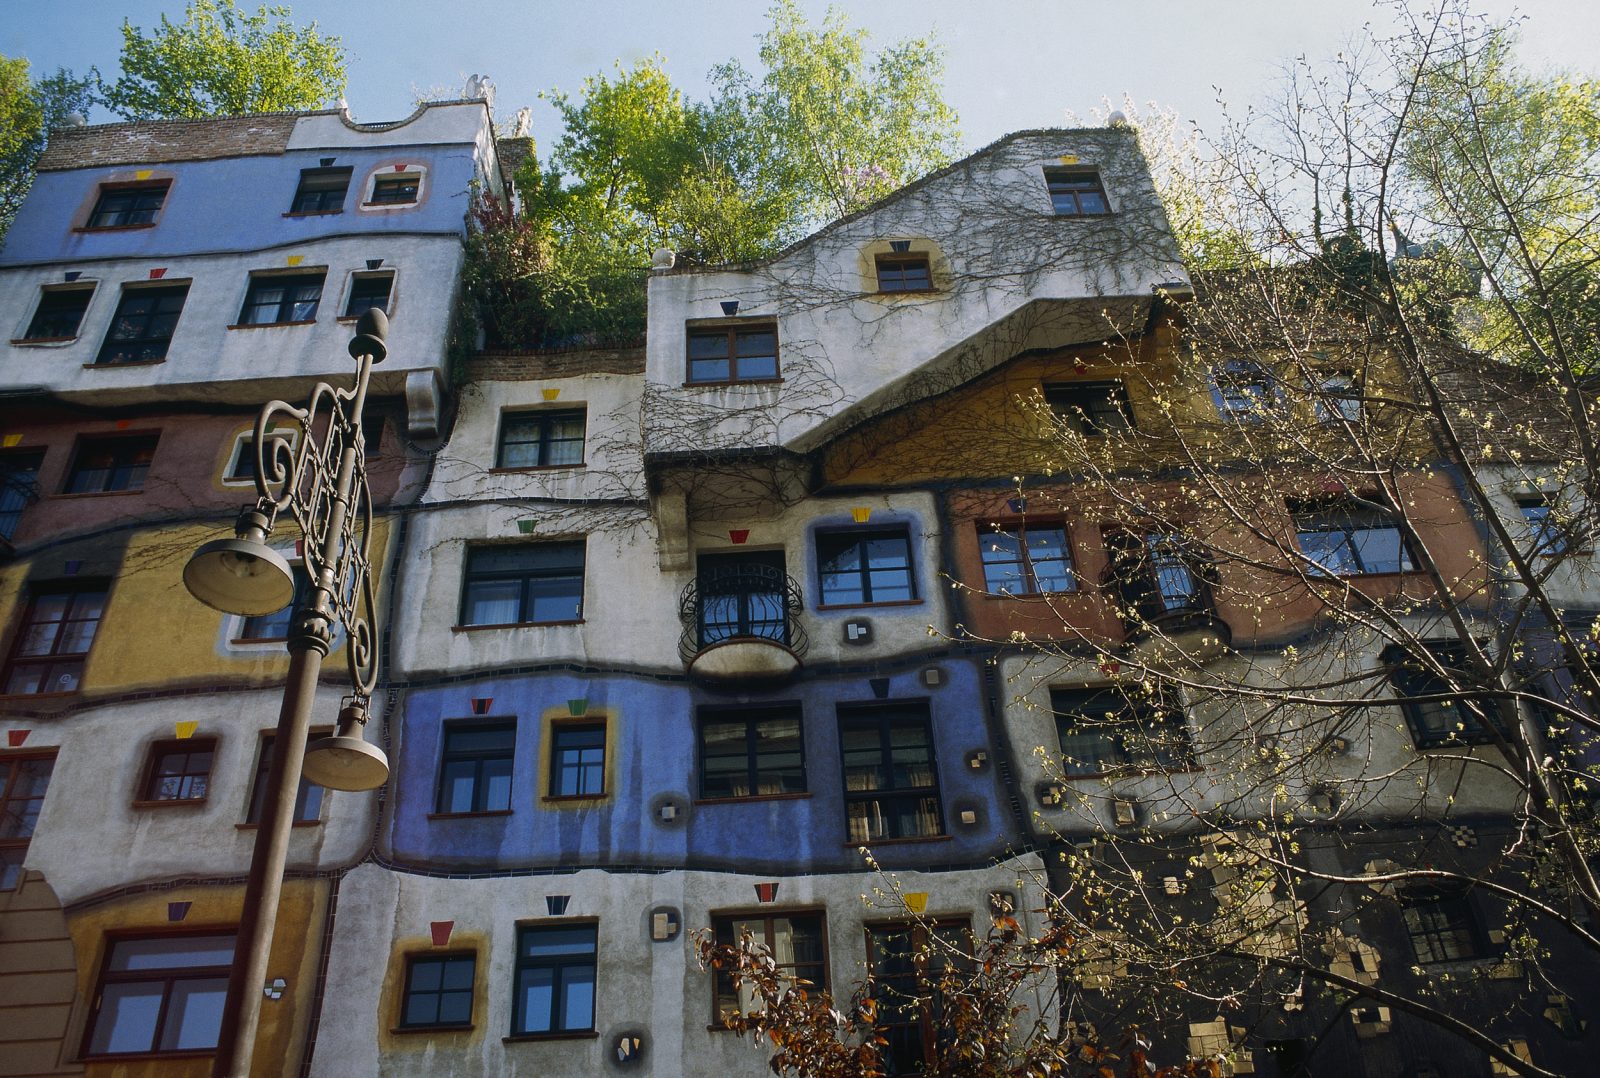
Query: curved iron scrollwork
(320, 478)
(743, 601)
(1156, 578)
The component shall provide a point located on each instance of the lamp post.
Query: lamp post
(320, 478)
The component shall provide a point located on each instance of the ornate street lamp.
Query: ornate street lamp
(320, 478)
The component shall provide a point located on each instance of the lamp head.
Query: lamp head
(240, 576)
(372, 329)
(345, 762)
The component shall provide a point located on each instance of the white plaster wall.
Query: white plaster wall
(458, 122)
(209, 361)
(613, 466)
(840, 344)
(896, 629)
(629, 606)
(1572, 584)
(642, 985)
(1382, 777)
(90, 838)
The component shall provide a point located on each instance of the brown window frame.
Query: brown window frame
(1062, 178)
(164, 186)
(35, 331)
(147, 346)
(924, 1025)
(898, 264)
(1026, 560)
(306, 814)
(14, 848)
(150, 777)
(315, 184)
(167, 976)
(731, 332)
(881, 718)
(73, 589)
(722, 923)
(136, 464)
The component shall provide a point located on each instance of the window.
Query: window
(19, 487)
(891, 784)
(1460, 717)
(307, 803)
(554, 990)
(369, 290)
(1091, 408)
(741, 596)
(53, 640)
(736, 353)
(751, 752)
(128, 206)
(1545, 535)
(321, 190)
(1243, 391)
(545, 439)
(578, 759)
(178, 770)
(1022, 560)
(142, 327)
(797, 942)
(242, 466)
(1103, 731)
(59, 314)
(904, 273)
(1441, 924)
(906, 962)
(395, 189)
(279, 298)
(1345, 537)
(1076, 192)
(161, 994)
(1156, 574)
(23, 781)
(475, 767)
(862, 566)
(268, 628)
(438, 991)
(1339, 399)
(531, 584)
(105, 465)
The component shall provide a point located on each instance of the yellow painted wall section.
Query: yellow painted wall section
(156, 635)
(296, 953)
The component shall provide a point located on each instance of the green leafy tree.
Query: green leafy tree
(221, 61)
(825, 127)
(29, 111)
(1505, 166)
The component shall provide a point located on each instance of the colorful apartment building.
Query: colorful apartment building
(736, 630)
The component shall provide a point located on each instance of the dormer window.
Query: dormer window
(1076, 192)
(128, 205)
(904, 273)
(395, 189)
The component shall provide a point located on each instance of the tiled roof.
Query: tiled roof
(155, 142)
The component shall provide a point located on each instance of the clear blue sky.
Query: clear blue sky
(1011, 65)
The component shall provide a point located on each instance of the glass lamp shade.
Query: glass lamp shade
(345, 763)
(240, 576)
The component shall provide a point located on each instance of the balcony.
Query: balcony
(741, 622)
(1163, 592)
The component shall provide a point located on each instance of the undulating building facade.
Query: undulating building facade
(731, 631)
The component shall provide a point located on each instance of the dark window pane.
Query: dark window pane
(59, 313)
(865, 566)
(276, 299)
(142, 326)
(122, 207)
(321, 190)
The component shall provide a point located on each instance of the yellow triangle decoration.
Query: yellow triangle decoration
(11, 440)
(144, 174)
(295, 260)
(861, 514)
(1069, 159)
(550, 394)
(916, 901)
(185, 730)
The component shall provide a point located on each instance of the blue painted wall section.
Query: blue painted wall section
(651, 727)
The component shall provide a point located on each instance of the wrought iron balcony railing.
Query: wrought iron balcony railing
(1164, 594)
(748, 602)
